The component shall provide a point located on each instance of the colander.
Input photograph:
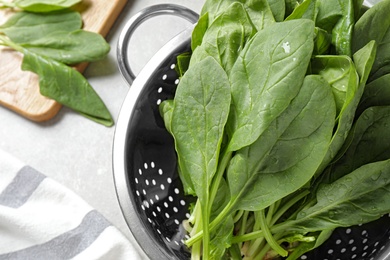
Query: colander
(149, 190)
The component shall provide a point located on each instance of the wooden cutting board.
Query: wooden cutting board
(19, 90)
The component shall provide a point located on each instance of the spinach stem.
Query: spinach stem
(226, 156)
(7, 42)
(196, 249)
(243, 224)
(213, 224)
(288, 205)
(268, 236)
(206, 230)
(263, 252)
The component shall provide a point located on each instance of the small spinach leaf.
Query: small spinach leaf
(44, 5)
(70, 47)
(375, 25)
(376, 93)
(299, 10)
(67, 86)
(342, 31)
(199, 31)
(225, 37)
(278, 9)
(341, 74)
(259, 10)
(24, 27)
(370, 133)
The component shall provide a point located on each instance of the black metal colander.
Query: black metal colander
(145, 167)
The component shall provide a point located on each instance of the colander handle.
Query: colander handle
(139, 18)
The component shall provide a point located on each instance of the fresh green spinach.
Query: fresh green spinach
(40, 6)
(288, 162)
(50, 37)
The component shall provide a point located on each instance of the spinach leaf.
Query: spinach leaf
(24, 27)
(374, 24)
(166, 111)
(290, 6)
(70, 47)
(306, 246)
(328, 14)
(67, 86)
(341, 74)
(299, 11)
(259, 11)
(271, 168)
(337, 18)
(225, 37)
(266, 77)
(200, 111)
(322, 42)
(359, 197)
(278, 9)
(360, 70)
(199, 31)
(342, 31)
(183, 62)
(376, 93)
(44, 5)
(370, 133)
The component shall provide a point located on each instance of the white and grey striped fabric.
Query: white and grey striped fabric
(41, 219)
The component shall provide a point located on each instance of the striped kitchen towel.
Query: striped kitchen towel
(41, 219)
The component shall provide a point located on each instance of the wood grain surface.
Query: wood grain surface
(19, 90)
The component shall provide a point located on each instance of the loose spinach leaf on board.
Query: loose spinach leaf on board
(270, 169)
(44, 5)
(266, 77)
(24, 27)
(67, 86)
(70, 47)
(225, 37)
(374, 24)
(50, 40)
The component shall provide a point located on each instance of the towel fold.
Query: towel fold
(42, 219)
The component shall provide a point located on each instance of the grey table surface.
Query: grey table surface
(75, 151)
